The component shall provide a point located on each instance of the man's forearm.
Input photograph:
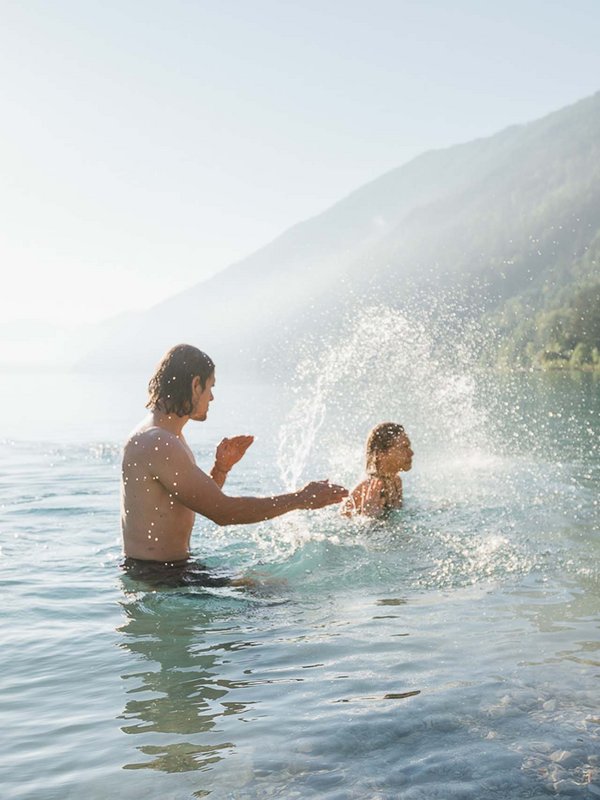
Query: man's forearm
(200, 493)
(246, 510)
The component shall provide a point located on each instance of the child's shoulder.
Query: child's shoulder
(366, 498)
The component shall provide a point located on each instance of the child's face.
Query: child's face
(398, 458)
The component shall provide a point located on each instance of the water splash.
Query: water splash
(486, 503)
(385, 365)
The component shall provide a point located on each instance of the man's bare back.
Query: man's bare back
(155, 524)
(163, 488)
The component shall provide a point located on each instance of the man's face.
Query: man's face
(201, 398)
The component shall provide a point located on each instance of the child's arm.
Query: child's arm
(365, 499)
(394, 494)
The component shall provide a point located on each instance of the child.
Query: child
(388, 453)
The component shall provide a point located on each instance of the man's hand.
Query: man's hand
(230, 451)
(318, 494)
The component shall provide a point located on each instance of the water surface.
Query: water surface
(452, 651)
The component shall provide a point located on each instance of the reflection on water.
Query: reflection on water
(493, 691)
(178, 689)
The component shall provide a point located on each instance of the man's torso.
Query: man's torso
(155, 525)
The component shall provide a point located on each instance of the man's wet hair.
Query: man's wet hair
(381, 438)
(170, 388)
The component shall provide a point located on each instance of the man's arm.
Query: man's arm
(196, 490)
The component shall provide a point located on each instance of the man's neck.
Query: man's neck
(170, 422)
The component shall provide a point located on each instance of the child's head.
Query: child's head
(388, 450)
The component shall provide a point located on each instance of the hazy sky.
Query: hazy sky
(146, 144)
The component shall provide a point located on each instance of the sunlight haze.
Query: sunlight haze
(148, 145)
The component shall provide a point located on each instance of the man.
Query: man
(163, 489)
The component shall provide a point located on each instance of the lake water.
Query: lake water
(451, 651)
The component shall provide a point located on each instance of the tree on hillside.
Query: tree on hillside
(585, 315)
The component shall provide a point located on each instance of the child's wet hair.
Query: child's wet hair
(381, 438)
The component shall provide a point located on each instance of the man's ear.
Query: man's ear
(196, 384)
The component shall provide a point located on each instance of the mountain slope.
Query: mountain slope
(510, 223)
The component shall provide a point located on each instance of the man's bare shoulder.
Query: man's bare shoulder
(159, 453)
(152, 437)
